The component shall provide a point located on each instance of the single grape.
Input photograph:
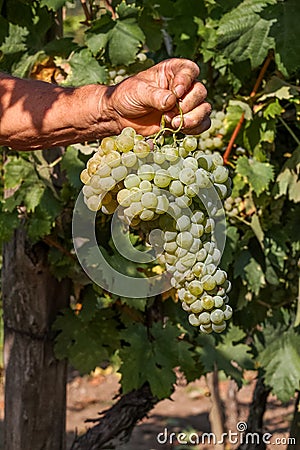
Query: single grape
(132, 180)
(195, 287)
(204, 318)
(108, 144)
(187, 175)
(162, 178)
(146, 172)
(149, 200)
(190, 143)
(93, 203)
(196, 307)
(119, 173)
(183, 223)
(129, 159)
(193, 319)
(104, 170)
(217, 316)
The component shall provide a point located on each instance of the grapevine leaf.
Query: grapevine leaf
(239, 107)
(60, 47)
(257, 229)
(252, 44)
(16, 40)
(137, 303)
(39, 225)
(98, 335)
(85, 69)
(73, 166)
(285, 31)
(281, 362)
(254, 276)
(16, 171)
(125, 10)
(243, 34)
(230, 355)
(152, 31)
(124, 41)
(151, 360)
(257, 173)
(288, 179)
(273, 109)
(33, 194)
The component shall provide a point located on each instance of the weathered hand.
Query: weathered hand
(141, 100)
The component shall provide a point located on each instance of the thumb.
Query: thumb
(158, 98)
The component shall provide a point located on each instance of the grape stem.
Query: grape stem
(164, 128)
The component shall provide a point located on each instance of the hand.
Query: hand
(141, 100)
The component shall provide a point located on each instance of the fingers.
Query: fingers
(151, 96)
(195, 110)
(183, 73)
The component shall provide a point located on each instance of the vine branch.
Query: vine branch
(86, 11)
(252, 94)
(53, 243)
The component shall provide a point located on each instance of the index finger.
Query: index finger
(184, 74)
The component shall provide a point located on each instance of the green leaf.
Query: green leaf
(16, 40)
(152, 30)
(16, 171)
(273, 109)
(153, 359)
(240, 107)
(230, 355)
(39, 224)
(33, 195)
(254, 44)
(85, 69)
(257, 229)
(98, 335)
(73, 166)
(281, 362)
(286, 32)
(289, 178)
(254, 276)
(125, 40)
(53, 4)
(243, 34)
(257, 173)
(125, 10)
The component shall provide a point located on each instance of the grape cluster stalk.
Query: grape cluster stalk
(163, 187)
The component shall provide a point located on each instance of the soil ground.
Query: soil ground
(187, 411)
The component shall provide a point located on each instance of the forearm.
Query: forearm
(35, 115)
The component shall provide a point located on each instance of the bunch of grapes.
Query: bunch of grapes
(213, 137)
(155, 185)
(234, 206)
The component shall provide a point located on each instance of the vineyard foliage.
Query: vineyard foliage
(230, 40)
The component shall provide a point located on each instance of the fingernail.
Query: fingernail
(179, 91)
(165, 101)
(169, 116)
(176, 122)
